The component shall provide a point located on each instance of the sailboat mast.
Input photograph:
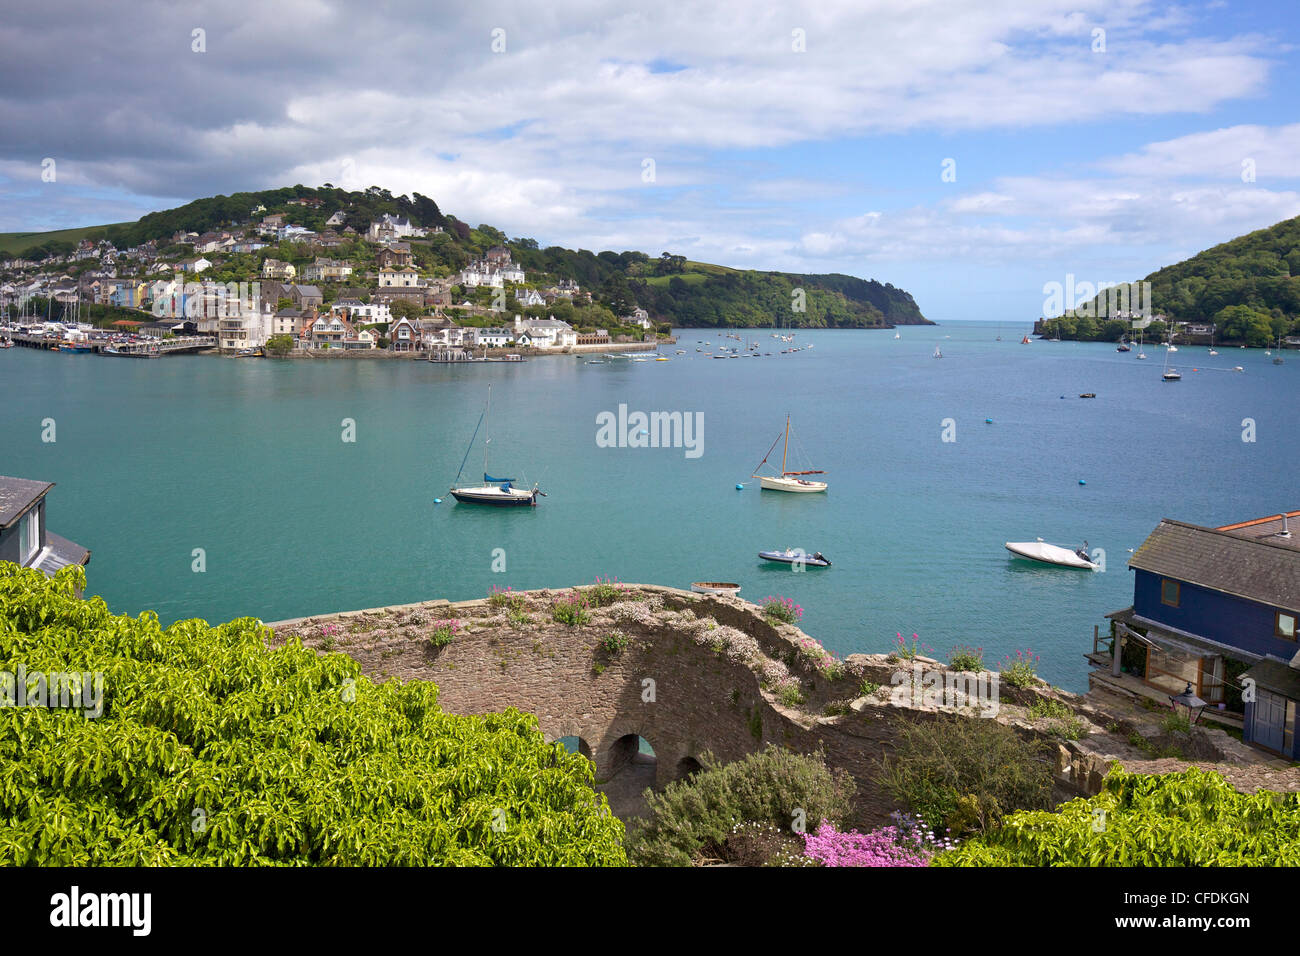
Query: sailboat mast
(786, 449)
(487, 432)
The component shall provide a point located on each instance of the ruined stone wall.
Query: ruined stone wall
(696, 673)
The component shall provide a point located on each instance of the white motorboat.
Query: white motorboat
(1051, 554)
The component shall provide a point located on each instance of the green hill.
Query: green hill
(57, 242)
(1249, 287)
(670, 287)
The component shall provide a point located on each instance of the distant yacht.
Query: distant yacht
(938, 353)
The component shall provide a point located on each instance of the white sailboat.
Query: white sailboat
(1170, 374)
(493, 491)
(787, 480)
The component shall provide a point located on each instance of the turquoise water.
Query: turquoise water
(244, 459)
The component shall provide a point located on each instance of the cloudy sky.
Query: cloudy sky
(967, 150)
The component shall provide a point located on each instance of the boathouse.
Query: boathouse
(1217, 608)
(24, 538)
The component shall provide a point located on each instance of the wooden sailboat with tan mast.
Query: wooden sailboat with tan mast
(788, 480)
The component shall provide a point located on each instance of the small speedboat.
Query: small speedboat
(1123, 348)
(797, 556)
(1052, 554)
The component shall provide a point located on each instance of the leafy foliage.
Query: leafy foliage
(965, 774)
(1246, 286)
(694, 818)
(1190, 818)
(215, 749)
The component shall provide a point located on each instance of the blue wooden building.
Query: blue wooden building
(1210, 600)
(24, 537)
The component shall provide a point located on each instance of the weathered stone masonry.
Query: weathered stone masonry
(698, 673)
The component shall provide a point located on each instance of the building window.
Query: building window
(29, 535)
(1169, 592)
(1284, 625)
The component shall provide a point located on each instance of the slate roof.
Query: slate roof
(16, 494)
(1277, 528)
(1277, 677)
(1257, 569)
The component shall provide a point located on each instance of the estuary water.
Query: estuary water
(244, 464)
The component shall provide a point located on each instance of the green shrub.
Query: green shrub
(1176, 724)
(606, 591)
(614, 643)
(215, 749)
(1049, 707)
(1021, 670)
(571, 610)
(867, 688)
(781, 609)
(694, 819)
(444, 632)
(790, 694)
(965, 658)
(1193, 818)
(963, 773)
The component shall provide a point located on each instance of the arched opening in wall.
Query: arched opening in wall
(625, 772)
(631, 752)
(687, 767)
(576, 745)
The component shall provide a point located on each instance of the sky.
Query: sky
(971, 152)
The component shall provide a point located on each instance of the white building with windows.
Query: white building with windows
(544, 333)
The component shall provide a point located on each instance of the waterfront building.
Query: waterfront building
(24, 538)
(403, 336)
(549, 333)
(1217, 608)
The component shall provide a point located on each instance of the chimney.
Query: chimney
(1286, 531)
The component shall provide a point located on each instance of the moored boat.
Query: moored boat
(796, 556)
(788, 480)
(726, 588)
(498, 492)
(1052, 554)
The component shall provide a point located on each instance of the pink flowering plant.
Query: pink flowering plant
(1021, 670)
(826, 663)
(504, 597)
(886, 846)
(909, 652)
(963, 657)
(607, 591)
(781, 609)
(572, 609)
(444, 632)
(328, 634)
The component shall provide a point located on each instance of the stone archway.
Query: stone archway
(625, 769)
(686, 768)
(575, 743)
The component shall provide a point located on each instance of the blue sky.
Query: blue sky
(808, 139)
